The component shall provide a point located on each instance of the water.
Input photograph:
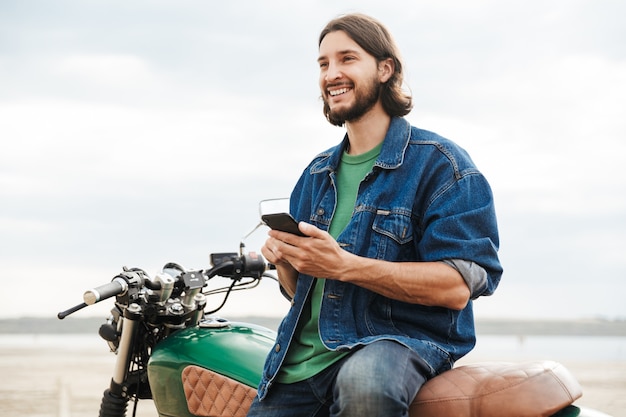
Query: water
(559, 348)
(52, 341)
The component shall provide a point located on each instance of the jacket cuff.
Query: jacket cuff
(474, 275)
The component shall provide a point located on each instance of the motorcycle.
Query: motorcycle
(193, 363)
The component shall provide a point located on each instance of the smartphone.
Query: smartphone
(283, 222)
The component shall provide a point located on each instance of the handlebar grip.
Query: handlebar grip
(116, 287)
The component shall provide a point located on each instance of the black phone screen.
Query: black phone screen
(283, 222)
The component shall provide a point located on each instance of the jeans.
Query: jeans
(380, 379)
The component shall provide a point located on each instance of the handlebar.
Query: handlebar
(132, 281)
(116, 287)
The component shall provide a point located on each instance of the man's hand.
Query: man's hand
(319, 255)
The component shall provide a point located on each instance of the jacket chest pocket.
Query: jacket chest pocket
(392, 234)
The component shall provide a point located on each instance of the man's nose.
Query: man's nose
(333, 72)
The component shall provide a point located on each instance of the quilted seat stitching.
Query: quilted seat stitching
(201, 385)
(518, 382)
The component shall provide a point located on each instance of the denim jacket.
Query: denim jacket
(424, 200)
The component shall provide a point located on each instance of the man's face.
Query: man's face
(349, 78)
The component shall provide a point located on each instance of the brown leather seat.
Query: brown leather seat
(493, 389)
(498, 389)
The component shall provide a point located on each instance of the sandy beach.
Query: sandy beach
(68, 382)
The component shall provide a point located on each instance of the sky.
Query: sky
(145, 132)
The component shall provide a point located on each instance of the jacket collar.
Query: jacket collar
(391, 155)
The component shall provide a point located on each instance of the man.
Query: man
(401, 235)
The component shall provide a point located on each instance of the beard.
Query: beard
(364, 100)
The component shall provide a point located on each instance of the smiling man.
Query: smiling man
(401, 236)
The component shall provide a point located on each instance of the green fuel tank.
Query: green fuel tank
(236, 350)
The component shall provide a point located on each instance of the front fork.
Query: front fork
(115, 399)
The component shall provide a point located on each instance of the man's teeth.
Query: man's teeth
(337, 92)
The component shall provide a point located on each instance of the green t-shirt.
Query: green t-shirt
(307, 355)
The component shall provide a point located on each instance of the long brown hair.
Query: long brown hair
(375, 39)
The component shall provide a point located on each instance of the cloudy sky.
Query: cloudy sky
(138, 133)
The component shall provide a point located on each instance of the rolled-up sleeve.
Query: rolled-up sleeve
(474, 275)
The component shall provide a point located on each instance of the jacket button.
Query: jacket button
(320, 211)
(277, 348)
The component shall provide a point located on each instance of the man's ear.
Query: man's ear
(386, 69)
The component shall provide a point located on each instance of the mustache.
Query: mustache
(338, 84)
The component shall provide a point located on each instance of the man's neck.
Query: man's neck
(369, 131)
